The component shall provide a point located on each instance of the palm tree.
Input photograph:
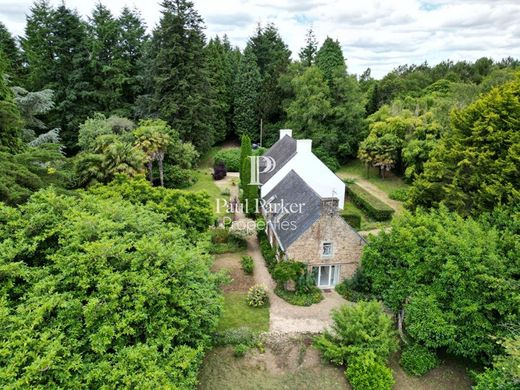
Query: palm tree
(153, 139)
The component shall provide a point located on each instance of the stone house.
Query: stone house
(306, 226)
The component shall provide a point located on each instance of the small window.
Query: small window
(327, 249)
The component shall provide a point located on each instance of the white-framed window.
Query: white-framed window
(326, 276)
(326, 249)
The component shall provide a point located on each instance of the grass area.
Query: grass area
(356, 168)
(294, 364)
(206, 183)
(237, 313)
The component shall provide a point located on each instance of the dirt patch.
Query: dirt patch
(231, 262)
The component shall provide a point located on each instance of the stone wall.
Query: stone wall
(346, 245)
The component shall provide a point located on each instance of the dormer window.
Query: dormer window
(326, 249)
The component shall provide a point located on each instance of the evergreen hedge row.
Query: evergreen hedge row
(375, 208)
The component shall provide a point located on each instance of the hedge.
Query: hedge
(353, 220)
(230, 157)
(375, 208)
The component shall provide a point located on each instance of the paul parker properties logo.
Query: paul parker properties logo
(260, 164)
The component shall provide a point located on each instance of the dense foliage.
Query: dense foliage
(373, 206)
(418, 360)
(99, 291)
(366, 372)
(454, 280)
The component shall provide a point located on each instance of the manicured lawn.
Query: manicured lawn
(356, 168)
(205, 183)
(237, 313)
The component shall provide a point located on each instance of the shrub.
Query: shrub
(248, 264)
(366, 372)
(219, 171)
(240, 350)
(177, 177)
(357, 329)
(356, 288)
(300, 299)
(230, 158)
(224, 241)
(285, 271)
(400, 194)
(375, 208)
(418, 360)
(353, 220)
(268, 252)
(225, 192)
(257, 296)
(236, 336)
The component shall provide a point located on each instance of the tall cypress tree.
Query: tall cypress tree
(246, 91)
(273, 58)
(180, 76)
(330, 58)
(245, 152)
(219, 93)
(308, 52)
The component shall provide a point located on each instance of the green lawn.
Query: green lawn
(356, 168)
(205, 183)
(237, 313)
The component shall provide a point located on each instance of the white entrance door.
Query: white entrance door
(326, 276)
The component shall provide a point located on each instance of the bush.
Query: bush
(224, 241)
(357, 329)
(225, 192)
(400, 194)
(285, 271)
(240, 350)
(257, 296)
(177, 177)
(248, 264)
(353, 220)
(219, 171)
(375, 208)
(236, 336)
(268, 252)
(356, 288)
(366, 372)
(417, 360)
(230, 158)
(300, 299)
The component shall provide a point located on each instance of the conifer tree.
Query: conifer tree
(180, 74)
(245, 152)
(308, 52)
(12, 54)
(330, 58)
(246, 91)
(10, 119)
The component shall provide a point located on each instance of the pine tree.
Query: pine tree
(273, 58)
(37, 45)
(104, 37)
(12, 54)
(233, 56)
(180, 74)
(133, 42)
(246, 94)
(330, 58)
(308, 52)
(10, 119)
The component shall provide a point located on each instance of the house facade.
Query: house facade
(301, 206)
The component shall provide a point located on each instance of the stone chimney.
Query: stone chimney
(329, 206)
(284, 132)
(304, 145)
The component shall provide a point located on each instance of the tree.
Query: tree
(505, 372)
(273, 58)
(33, 105)
(13, 56)
(308, 52)
(246, 92)
(152, 139)
(10, 118)
(245, 151)
(180, 74)
(452, 281)
(356, 330)
(474, 166)
(128, 299)
(329, 58)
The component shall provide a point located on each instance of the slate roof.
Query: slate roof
(292, 190)
(281, 152)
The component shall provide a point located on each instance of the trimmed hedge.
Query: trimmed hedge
(230, 157)
(375, 208)
(353, 220)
